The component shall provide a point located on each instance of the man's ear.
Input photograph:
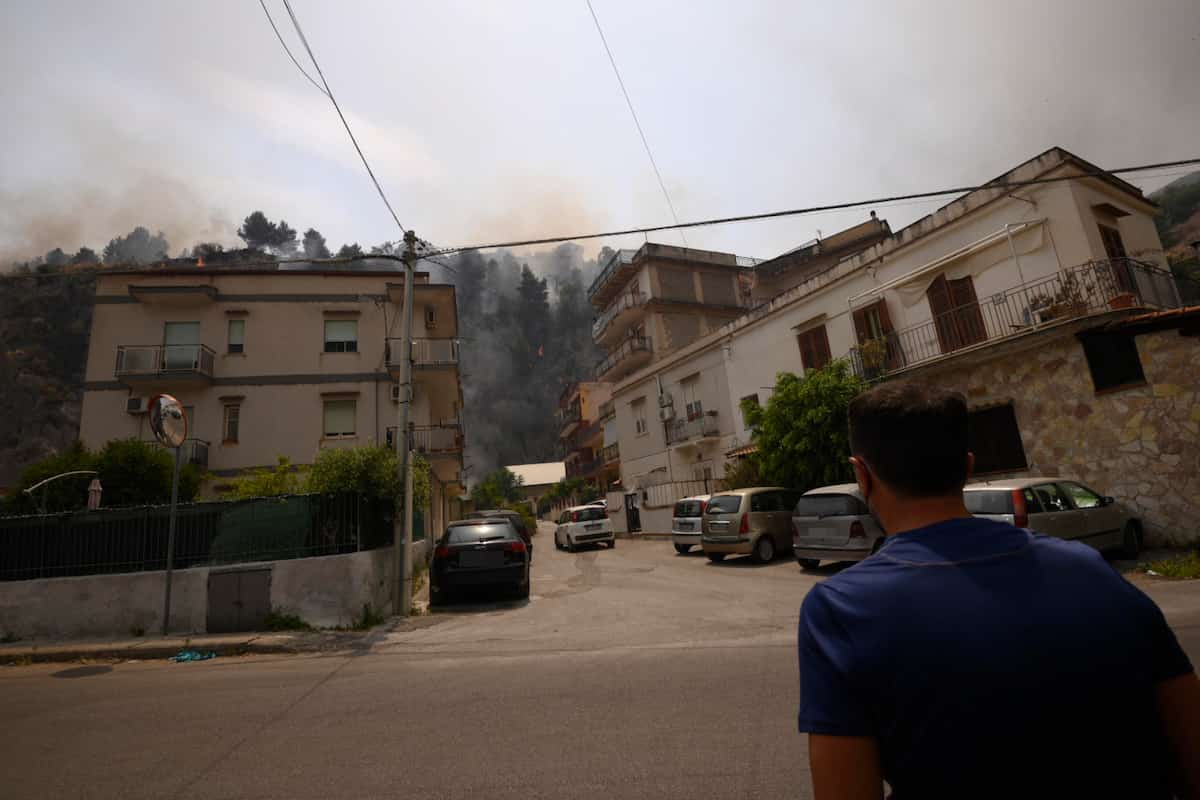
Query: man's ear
(862, 475)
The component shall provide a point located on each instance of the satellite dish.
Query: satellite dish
(167, 420)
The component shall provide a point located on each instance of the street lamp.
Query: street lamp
(169, 424)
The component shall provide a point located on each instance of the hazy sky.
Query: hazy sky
(493, 120)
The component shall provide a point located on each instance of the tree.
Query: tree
(370, 471)
(801, 433)
(285, 239)
(136, 247)
(257, 231)
(314, 244)
(56, 258)
(499, 487)
(350, 251)
(86, 255)
(533, 309)
(207, 250)
(281, 479)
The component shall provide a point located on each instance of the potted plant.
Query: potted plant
(874, 353)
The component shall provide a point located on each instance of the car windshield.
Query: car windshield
(829, 505)
(588, 514)
(466, 534)
(725, 504)
(989, 502)
(689, 508)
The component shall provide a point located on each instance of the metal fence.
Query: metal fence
(164, 359)
(1072, 293)
(662, 495)
(135, 539)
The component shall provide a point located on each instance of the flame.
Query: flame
(200, 261)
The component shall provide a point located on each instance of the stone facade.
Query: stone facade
(1138, 444)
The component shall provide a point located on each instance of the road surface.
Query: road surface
(631, 673)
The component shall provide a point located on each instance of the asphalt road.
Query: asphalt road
(629, 673)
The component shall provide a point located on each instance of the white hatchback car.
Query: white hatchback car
(686, 520)
(584, 525)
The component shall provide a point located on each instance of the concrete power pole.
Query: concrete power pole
(402, 526)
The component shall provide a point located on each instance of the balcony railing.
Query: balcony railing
(176, 360)
(627, 301)
(607, 410)
(570, 419)
(425, 352)
(615, 262)
(1073, 293)
(195, 451)
(612, 453)
(579, 469)
(702, 427)
(429, 439)
(634, 346)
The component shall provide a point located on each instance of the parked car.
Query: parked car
(1058, 507)
(583, 525)
(478, 553)
(832, 523)
(514, 517)
(686, 521)
(755, 521)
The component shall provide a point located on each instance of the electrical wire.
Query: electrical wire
(287, 50)
(661, 184)
(998, 185)
(341, 116)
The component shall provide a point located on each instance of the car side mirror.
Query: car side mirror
(1107, 501)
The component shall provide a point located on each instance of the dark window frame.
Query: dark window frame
(814, 348)
(993, 454)
(1114, 362)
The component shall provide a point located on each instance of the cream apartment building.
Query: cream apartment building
(992, 266)
(274, 362)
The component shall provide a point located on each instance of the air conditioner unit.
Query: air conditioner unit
(666, 413)
(137, 405)
(665, 400)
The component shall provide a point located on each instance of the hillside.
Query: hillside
(1178, 220)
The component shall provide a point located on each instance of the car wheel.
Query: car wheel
(682, 548)
(612, 543)
(570, 548)
(764, 550)
(716, 558)
(1131, 544)
(809, 563)
(521, 591)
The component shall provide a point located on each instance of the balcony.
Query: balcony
(426, 353)
(606, 411)
(570, 421)
(1075, 293)
(138, 365)
(622, 311)
(630, 355)
(695, 430)
(432, 440)
(583, 469)
(612, 277)
(195, 451)
(612, 453)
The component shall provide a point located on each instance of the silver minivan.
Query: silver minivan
(832, 524)
(686, 520)
(1058, 507)
(754, 521)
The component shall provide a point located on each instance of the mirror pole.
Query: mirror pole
(171, 541)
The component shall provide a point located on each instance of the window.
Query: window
(237, 336)
(1114, 246)
(430, 317)
(341, 336)
(1113, 360)
(233, 418)
(814, 348)
(995, 439)
(339, 418)
(181, 345)
(766, 501)
(829, 505)
(956, 314)
(1032, 504)
(1052, 498)
(638, 407)
(692, 405)
(747, 402)
(1081, 496)
(874, 324)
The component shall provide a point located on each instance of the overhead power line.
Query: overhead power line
(792, 212)
(661, 184)
(288, 50)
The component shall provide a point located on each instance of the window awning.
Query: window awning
(911, 285)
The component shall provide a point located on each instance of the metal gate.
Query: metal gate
(238, 600)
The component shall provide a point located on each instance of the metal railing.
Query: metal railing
(195, 451)
(611, 453)
(625, 302)
(627, 348)
(606, 410)
(703, 426)
(135, 539)
(1090, 288)
(425, 352)
(437, 439)
(571, 416)
(615, 262)
(153, 360)
(576, 469)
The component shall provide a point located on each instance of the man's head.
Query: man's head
(908, 446)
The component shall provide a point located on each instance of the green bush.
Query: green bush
(281, 479)
(369, 471)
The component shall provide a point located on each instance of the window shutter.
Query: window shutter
(884, 318)
(860, 325)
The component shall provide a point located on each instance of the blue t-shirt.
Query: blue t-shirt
(987, 660)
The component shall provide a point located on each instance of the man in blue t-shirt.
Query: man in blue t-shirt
(969, 658)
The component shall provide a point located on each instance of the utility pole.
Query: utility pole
(402, 525)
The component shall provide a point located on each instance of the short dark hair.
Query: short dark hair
(913, 437)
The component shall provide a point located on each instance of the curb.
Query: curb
(151, 652)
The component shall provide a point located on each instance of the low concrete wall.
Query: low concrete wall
(103, 605)
(324, 591)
